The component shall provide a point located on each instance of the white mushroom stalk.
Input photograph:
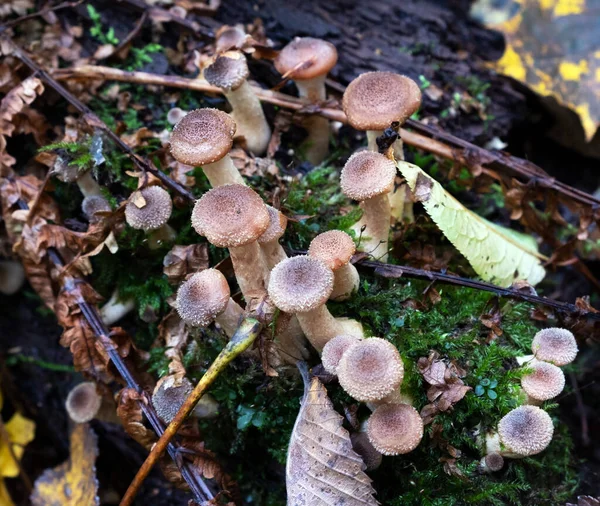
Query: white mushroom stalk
(70, 173)
(115, 308)
(272, 251)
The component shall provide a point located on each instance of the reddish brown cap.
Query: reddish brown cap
(367, 174)
(227, 71)
(83, 402)
(334, 349)
(316, 57)
(526, 430)
(230, 215)
(202, 136)
(370, 370)
(300, 284)
(151, 211)
(276, 228)
(555, 345)
(395, 429)
(545, 381)
(373, 101)
(202, 297)
(335, 248)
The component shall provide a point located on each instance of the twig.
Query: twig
(42, 12)
(130, 36)
(244, 336)
(6, 440)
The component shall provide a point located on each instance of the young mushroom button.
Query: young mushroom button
(543, 383)
(204, 138)
(335, 349)
(83, 402)
(395, 429)
(555, 345)
(525, 431)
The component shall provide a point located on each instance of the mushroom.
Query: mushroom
(491, 463)
(228, 37)
(395, 429)
(308, 61)
(361, 445)
(169, 396)
(234, 216)
(334, 349)
(149, 209)
(115, 308)
(368, 177)
(12, 277)
(301, 285)
(204, 138)
(370, 370)
(545, 382)
(93, 204)
(83, 402)
(335, 248)
(229, 71)
(555, 345)
(205, 297)
(71, 173)
(175, 115)
(269, 240)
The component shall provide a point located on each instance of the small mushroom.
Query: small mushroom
(370, 370)
(12, 277)
(361, 445)
(368, 177)
(149, 210)
(71, 173)
(95, 204)
(491, 463)
(234, 216)
(308, 61)
(524, 431)
(334, 349)
(301, 285)
(205, 297)
(269, 240)
(230, 37)
(204, 138)
(545, 382)
(555, 345)
(83, 402)
(336, 248)
(168, 397)
(395, 429)
(175, 115)
(229, 71)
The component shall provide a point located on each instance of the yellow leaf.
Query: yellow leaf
(21, 431)
(73, 483)
(498, 255)
(5, 499)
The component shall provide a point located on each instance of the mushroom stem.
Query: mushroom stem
(249, 117)
(376, 218)
(222, 172)
(161, 235)
(345, 282)
(250, 269)
(273, 253)
(229, 320)
(317, 127)
(12, 277)
(88, 185)
(372, 144)
(292, 343)
(115, 308)
(320, 326)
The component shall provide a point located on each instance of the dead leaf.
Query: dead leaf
(173, 332)
(184, 260)
(73, 483)
(130, 414)
(322, 468)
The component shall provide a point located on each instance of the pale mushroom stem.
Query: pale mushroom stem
(376, 217)
(320, 326)
(161, 235)
(250, 269)
(229, 320)
(317, 127)
(222, 172)
(345, 282)
(372, 144)
(292, 343)
(273, 253)
(115, 308)
(250, 118)
(88, 185)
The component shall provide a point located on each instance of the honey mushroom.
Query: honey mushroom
(149, 209)
(335, 349)
(169, 395)
(272, 251)
(555, 345)
(543, 383)
(395, 429)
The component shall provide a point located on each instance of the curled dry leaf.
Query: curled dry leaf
(184, 260)
(130, 414)
(173, 332)
(73, 483)
(322, 468)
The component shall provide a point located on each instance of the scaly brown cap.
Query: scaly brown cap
(555, 345)
(229, 37)
(93, 204)
(335, 248)
(276, 228)
(152, 214)
(334, 349)
(230, 215)
(83, 402)
(395, 429)
(370, 370)
(545, 381)
(228, 71)
(317, 57)
(202, 136)
(168, 399)
(367, 174)
(526, 430)
(373, 101)
(202, 297)
(494, 461)
(300, 284)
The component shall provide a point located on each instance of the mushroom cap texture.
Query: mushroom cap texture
(367, 174)
(494, 461)
(93, 204)
(545, 381)
(395, 429)
(202, 136)
(167, 401)
(317, 56)
(203, 297)
(361, 445)
(276, 228)
(83, 402)
(230, 215)
(526, 430)
(228, 71)
(374, 100)
(334, 349)
(370, 370)
(335, 248)
(154, 214)
(300, 284)
(555, 345)
(229, 37)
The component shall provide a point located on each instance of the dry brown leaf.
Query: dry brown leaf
(173, 332)
(184, 260)
(73, 483)
(130, 413)
(322, 468)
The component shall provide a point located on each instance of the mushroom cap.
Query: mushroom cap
(317, 57)
(335, 248)
(367, 174)
(334, 349)
(361, 445)
(230, 215)
(154, 214)
(374, 100)
(93, 204)
(370, 370)
(276, 228)
(228, 70)
(83, 402)
(229, 37)
(300, 284)
(167, 399)
(555, 345)
(545, 382)
(202, 136)
(175, 115)
(526, 430)
(494, 461)
(395, 429)
(203, 297)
